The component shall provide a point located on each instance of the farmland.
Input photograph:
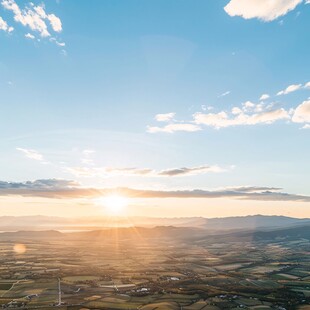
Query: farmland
(154, 273)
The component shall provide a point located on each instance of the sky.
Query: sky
(183, 108)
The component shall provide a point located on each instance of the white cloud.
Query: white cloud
(264, 97)
(266, 10)
(236, 111)
(248, 113)
(52, 18)
(248, 105)
(290, 89)
(259, 107)
(55, 22)
(222, 119)
(29, 36)
(165, 117)
(4, 26)
(307, 126)
(171, 128)
(27, 17)
(307, 85)
(302, 113)
(33, 17)
(32, 154)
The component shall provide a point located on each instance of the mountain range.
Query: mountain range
(12, 223)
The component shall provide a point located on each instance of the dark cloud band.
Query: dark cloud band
(66, 189)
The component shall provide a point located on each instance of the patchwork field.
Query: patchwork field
(156, 274)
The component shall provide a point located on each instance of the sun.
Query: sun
(113, 204)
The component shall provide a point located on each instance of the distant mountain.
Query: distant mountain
(258, 235)
(32, 221)
(253, 222)
(111, 234)
(161, 233)
(139, 233)
(30, 235)
(11, 223)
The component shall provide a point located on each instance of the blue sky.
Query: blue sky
(157, 95)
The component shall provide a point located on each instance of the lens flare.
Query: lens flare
(19, 248)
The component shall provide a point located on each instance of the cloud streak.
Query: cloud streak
(144, 172)
(32, 154)
(171, 128)
(190, 171)
(66, 189)
(224, 94)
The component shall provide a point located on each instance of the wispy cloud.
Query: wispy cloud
(87, 157)
(249, 114)
(62, 44)
(129, 171)
(65, 189)
(107, 171)
(224, 94)
(171, 128)
(144, 172)
(184, 171)
(264, 10)
(32, 154)
(290, 89)
(88, 152)
(223, 119)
